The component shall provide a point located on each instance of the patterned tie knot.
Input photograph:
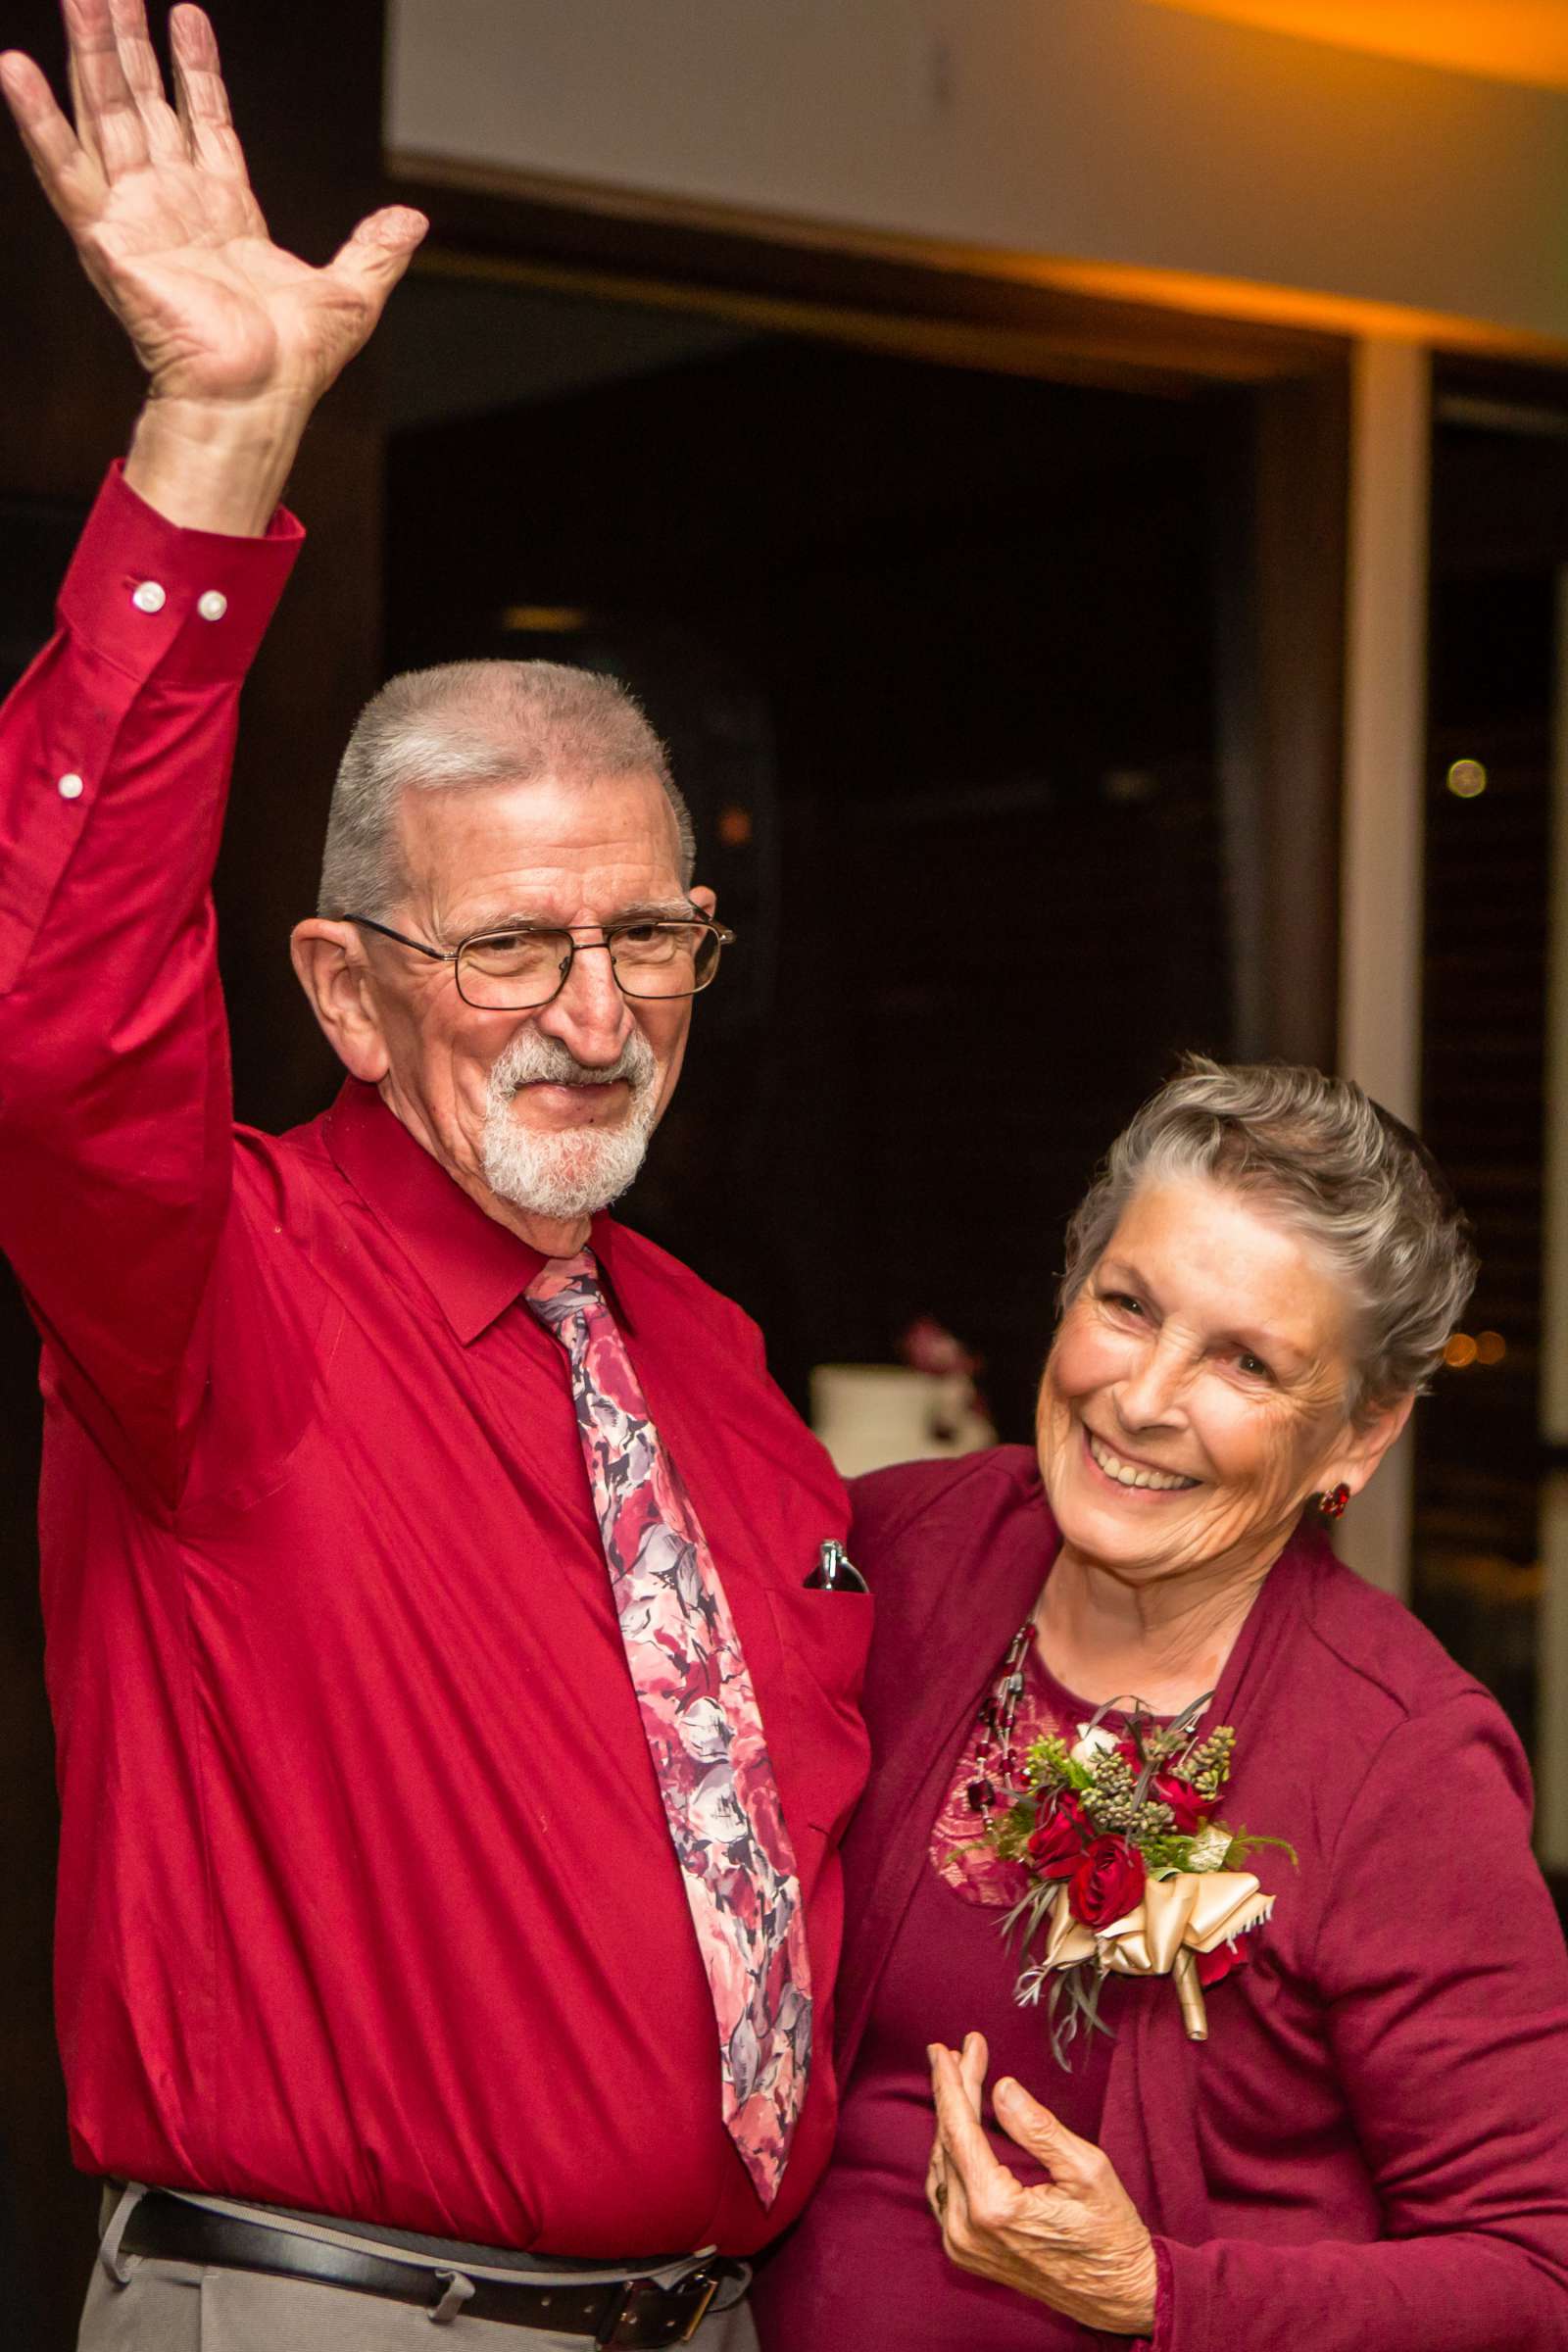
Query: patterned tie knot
(564, 1287)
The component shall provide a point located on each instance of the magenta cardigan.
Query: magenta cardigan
(1370, 2153)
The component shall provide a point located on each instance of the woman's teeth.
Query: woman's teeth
(1134, 1474)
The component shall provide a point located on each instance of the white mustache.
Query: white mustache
(533, 1060)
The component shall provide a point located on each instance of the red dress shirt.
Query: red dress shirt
(366, 1900)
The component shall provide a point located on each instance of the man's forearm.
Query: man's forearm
(216, 466)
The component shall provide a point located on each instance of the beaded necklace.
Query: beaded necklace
(998, 1710)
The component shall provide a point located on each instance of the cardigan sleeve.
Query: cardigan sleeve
(1445, 1981)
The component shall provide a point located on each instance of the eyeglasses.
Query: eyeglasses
(521, 969)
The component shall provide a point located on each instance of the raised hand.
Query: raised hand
(238, 337)
(1075, 2242)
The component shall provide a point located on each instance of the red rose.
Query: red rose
(1189, 1810)
(1108, 1881)
(1214, 1965)
(1055, 1848)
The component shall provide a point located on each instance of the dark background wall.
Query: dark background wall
(1499, 548)
(940, 678)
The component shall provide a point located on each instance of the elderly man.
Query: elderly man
(453, 1751)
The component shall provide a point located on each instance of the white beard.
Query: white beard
(569, 1172)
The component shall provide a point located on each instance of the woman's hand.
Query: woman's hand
(1075, 2242)
(238, 338)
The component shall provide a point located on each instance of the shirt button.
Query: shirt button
(70, 788)
(148, 598)
(212, 605)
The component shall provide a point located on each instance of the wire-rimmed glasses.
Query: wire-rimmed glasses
(524, 966)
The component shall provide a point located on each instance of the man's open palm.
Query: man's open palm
(157, 202)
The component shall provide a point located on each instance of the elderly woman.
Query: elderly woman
(1368, 2153)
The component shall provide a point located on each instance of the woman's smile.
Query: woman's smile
(1129, 1475)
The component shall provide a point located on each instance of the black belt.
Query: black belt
(623, 2311)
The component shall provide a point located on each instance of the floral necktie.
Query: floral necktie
(704, 1731)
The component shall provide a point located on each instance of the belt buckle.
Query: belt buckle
(711, 2287)
(609, 2327)
(623, 2308)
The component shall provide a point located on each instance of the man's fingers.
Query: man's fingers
(200, 96)
(108, 117)
(166, 138)
(378, 252)
(71, 178)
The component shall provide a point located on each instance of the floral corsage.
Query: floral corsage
(1130, 1870)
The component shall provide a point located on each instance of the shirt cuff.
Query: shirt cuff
(192, 606)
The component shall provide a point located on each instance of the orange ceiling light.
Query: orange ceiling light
(1507, 40)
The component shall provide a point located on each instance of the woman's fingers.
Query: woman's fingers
(974, 2059)
(70, 175)
(966, 2152)
(1070, 2161)
(936, 2180)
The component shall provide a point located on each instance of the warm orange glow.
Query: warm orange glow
(1460, 1351)
(551, 620)
(1510, 40)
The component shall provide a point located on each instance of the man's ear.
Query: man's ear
(704, 897)
(329, 962)
(1357, 1460)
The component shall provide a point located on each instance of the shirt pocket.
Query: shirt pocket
(826, 1638)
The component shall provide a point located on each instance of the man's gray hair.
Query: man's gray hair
(477, 722)
(1343, 1171)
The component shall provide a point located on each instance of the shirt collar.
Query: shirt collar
(473, 1267)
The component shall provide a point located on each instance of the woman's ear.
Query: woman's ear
(329, 962)
(1355, 1460)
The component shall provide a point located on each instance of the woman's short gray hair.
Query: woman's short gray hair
(477, 722)
(1347, 1174)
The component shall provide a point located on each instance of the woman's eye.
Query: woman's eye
(1124, 1302)
(1252, 1365)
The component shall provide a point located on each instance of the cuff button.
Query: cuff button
(149, 596)
(212, 605)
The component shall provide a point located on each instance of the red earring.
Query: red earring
(1332, 1506)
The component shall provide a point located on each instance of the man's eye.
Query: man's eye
(1252, 1365)
(1124, 1302)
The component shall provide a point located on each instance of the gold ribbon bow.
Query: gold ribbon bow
(1178, 1917)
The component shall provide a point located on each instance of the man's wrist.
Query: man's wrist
(216, 466)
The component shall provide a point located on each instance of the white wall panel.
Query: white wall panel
(1105, 130)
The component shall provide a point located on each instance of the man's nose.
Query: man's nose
(589, 1016)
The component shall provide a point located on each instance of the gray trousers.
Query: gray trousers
(138, 2304)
